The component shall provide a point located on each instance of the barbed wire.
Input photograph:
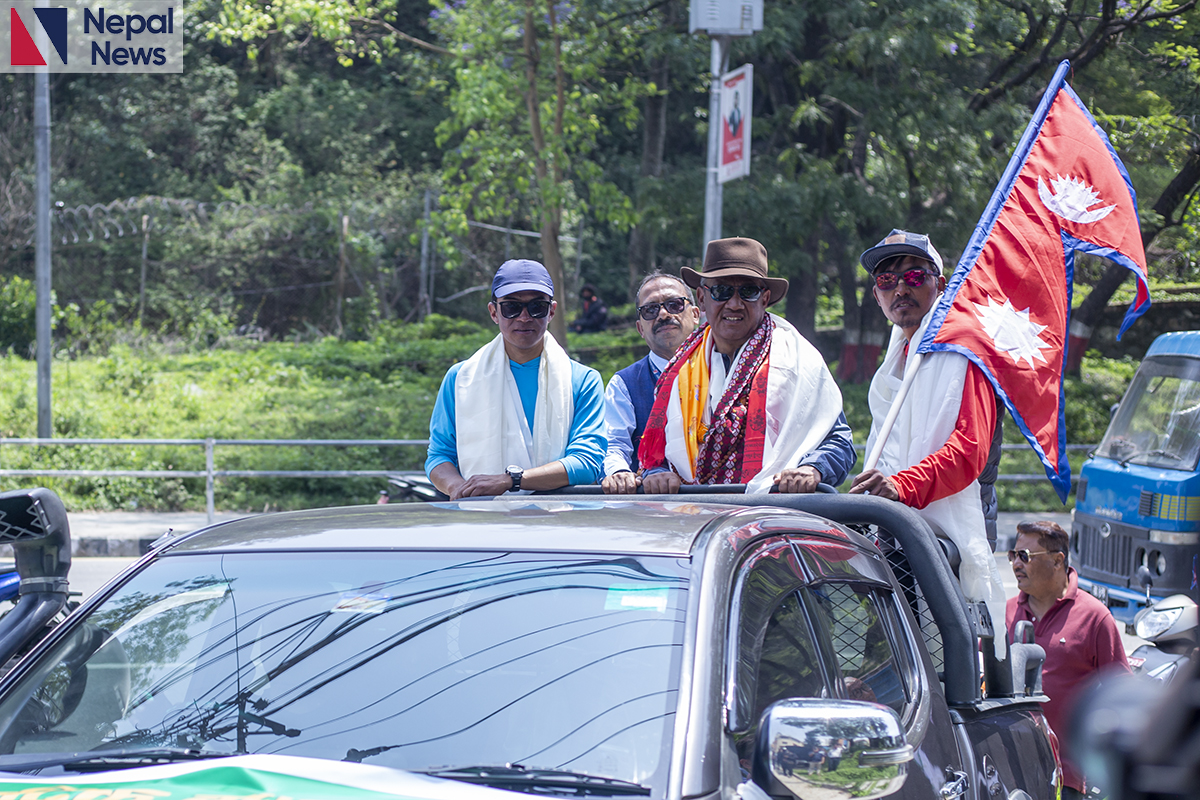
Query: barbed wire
(88, 223)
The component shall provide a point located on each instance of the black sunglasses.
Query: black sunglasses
(675, 305)
(511, 309)
(723, 291)
(913, 277)
(1025, 555)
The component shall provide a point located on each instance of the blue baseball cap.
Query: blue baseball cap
(521, 275)
(901, 243)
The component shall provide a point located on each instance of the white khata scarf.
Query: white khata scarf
(490, 423)
(803, 402)
(924, 424)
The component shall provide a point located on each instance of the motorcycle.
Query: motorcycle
(414, 487)
(1170, 626)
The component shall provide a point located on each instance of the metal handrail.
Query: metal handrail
(210, 473)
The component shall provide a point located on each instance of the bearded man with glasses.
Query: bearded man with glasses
(746, 398)
(666, 316)
(518, 415)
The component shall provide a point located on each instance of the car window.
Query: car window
(790, 665)
(408, 660)
(857, 626)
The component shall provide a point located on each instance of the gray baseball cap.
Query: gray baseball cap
(901, 243)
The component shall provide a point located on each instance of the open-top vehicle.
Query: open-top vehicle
(666, 647)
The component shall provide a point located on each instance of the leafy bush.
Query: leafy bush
(18, 314)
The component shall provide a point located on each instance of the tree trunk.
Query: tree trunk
(1171, 207)
(802, 293)
(547, 183)
(864, 329)
(552, 259)
(654, 135)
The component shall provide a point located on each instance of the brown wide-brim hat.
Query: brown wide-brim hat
(728, 257)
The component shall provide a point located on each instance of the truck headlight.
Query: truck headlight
(1151, 622)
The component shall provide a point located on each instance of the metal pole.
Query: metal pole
(210, 503)
(41, 139)
(712, 187)
(423, 300)
(142, 284)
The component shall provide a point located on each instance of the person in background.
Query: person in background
(747, 399)
(1075, 629)
(594, 317)
(666, 315)
(519, 414)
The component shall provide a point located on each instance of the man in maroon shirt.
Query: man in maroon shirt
(1075, 629)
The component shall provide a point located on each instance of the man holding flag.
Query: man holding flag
(941, 437)
(947, 439)
(1007, 307)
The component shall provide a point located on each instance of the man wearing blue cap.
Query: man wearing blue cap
(519, 414)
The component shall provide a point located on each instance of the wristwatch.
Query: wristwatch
(515, 473)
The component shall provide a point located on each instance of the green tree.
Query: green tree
(530, 85)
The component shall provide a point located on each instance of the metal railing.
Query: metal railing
(210, 473)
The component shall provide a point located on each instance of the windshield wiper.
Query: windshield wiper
(539, 781)
(100, 760)
(1167, 453)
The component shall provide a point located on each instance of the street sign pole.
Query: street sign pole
(712, 184)
(721, 20)
(41, 253)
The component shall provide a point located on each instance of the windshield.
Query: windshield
(1158, 423)
(416, 661)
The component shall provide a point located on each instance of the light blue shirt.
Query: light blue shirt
(586, 441)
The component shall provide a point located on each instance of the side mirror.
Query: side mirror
(1145, 580)
(1112, 410)
(832, 749)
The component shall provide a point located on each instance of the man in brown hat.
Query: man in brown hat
(746, 399)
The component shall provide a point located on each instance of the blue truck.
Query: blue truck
(1136, 527)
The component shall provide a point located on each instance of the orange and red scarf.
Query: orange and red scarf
(729, 449)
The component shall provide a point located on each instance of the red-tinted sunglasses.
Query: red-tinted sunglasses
(913, 277)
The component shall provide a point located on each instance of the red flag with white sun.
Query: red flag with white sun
(1007, 306)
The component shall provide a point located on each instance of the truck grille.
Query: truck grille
(1112, 556)
(914, 597)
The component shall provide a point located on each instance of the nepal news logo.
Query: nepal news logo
(80, 36)
(22, 52)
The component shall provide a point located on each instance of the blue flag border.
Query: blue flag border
(1059, 474)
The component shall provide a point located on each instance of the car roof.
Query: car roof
(533, 524)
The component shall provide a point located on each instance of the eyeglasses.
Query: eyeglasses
(1025, 555)
(675, 305)
(913, 277)
(511, 309)
(723, 291)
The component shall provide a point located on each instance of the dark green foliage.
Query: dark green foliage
(18, 313)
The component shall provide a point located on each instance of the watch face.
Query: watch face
(514, 470)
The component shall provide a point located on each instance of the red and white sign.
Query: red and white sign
(733, 154)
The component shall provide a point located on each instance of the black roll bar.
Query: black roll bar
(34, 522)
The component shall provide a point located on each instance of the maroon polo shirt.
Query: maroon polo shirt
(1080, 638)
